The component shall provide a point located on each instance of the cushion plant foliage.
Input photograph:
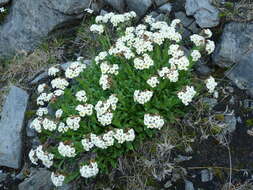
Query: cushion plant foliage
(141, 81)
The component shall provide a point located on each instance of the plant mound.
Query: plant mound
(89, 115)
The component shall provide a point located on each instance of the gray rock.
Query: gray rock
(211, 102)
(206, 175)
(186, 21)
(39, 78)
(4, 2)
(230, 121)
(12, 120)
(161, 2)
(241, 73)
(202, 69)
(236, 43)
(166, 8)
(118, 5)
(160, 17)
(188, 185)
(39, 178)
(153, 14)
(29, 22)
(3, 176)
(178, 5)
(206, 15)
(103, 12)
(194, 28)
(139, 6)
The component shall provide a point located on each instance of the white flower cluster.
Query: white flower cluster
(39, 123)
(153, 121)
(171, 74)
(58, 113)
(84, 110)
(195, 55)
(142, 97)
(81, 96)
(182, 63)
(115, 19)
(106, 140)
(73, 122)
(57, 179)
(210, 46)
(53, 71)
(201, 41)
(62, 128)
(186, 95)
(109, 69)
(41, 88)
(211, 84)
(105, 78)
(144, 63)
(175, 51)
(75, 69)
(59, 83)
(153, 81)
(104, 110)
(101, 56)
(42, 111)
(90, 170)
(197, 40)
(44, 98)
(39, 154)
(208, 33)
(97, 28)
(66, 150)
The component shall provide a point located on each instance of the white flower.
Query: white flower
(208, 33)
(101, 57)
(53, 71)
(211, 84)
(144, 63)
(195, 55)
(81, 96)
(44, 97)
(49, 125)
(97, 28)
(197, 40)
(41, 88)
(104, 81)
(186, 95)
(58, 113)
(175, 22)
(84, 110)
(87, 144)
(90, 170)
(57, 179)
(175, 51)
(62, 128)
(142, 97)
(58, 92)
(66, 150)
(90, 11)
(32, 156)
(105, 119)
(153, 81)
(36, 124)
(75, 69)
(210, 46)
(73, 122)
(42, 111)
(153, 121)
(59, 83)
(45, 157)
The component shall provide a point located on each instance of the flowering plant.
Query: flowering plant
(90, 115)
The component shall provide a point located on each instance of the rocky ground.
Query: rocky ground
(221, 156)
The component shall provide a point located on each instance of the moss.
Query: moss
(249, 122)
(220, 117)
